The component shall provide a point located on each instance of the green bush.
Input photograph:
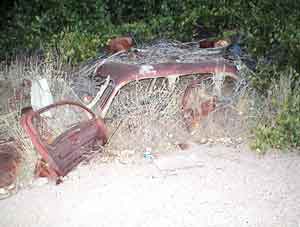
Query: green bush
(75, 47)
(270, 28)
(37, 23)
(279, 125)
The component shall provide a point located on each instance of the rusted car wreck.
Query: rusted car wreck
(66, 150)
(61, 150)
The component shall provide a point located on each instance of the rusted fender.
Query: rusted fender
(121, 74)
(119, 44)
(124, 73)
(67, 150)
(222, 43)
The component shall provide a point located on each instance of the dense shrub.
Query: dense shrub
(270, 28)
(279, 125)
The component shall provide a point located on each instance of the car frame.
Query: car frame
(114, 76)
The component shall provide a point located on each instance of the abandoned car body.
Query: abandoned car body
(70, 147)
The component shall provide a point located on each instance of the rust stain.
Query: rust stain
(213, 43)
(194, 114)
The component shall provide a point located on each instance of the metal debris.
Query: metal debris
(63, 144)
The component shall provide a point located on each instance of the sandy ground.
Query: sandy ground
(205, 186)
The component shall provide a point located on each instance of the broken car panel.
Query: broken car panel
(63, 151)
(116, 75)
(65, 143)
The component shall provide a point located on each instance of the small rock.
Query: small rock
(41, 181)
(3, 191)
(184, 146)
(203, 141)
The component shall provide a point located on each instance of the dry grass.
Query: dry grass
(278, 122)
(145, 116)
(12, 103)
(13, 129)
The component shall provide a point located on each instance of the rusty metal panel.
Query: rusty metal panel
(124, 73)
(63, 150)
(121, 73)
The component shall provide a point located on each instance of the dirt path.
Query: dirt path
(206, 186)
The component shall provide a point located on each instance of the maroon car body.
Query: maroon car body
(67, 150)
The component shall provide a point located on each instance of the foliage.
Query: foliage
(269, 28)
(74, 46)
(265, 75)
(78, 30)
(279, 125)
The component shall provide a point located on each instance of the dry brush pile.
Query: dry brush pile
(145, 116)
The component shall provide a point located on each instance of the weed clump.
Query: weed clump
(279, 120)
